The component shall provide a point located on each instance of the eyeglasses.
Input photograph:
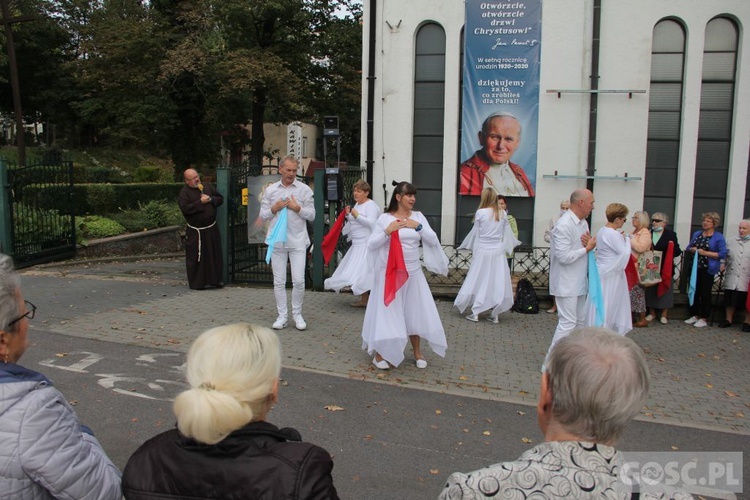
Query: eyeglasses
(30, 312)
(656, 220)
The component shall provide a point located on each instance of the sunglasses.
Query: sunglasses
(656, 220)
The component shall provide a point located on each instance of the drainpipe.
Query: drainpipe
(371, 90)
(594, 97)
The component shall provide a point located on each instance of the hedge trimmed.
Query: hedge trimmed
(102, 198)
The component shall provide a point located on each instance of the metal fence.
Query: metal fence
(41, 230)
(246, 263)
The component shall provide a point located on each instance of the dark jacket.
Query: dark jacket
(259, 461)
(667, 235)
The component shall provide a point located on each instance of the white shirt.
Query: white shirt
(568, 275)
(297, 236)
(505, 182)
(359, 228)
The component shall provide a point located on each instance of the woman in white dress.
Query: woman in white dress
(487, 285)
(612, 255)
(353, 270)
(395, 314)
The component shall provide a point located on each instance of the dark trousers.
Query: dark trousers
(702, 304)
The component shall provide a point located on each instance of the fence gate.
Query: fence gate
(42, 215)
(247, 261)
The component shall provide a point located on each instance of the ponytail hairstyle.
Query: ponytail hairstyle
(233, 372)
(489, 200)
(401, 188)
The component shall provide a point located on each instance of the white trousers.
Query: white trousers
(571, 314)
(296, 257)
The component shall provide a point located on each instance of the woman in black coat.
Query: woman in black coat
(657, 298)
(223, 447)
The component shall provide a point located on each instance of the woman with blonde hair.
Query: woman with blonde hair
(223, 447)
(487, 285)
(353, 270)
(640, 241)
(612, 255)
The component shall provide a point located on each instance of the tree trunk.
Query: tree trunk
(258, 139)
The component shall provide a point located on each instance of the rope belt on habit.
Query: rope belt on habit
(199, 229)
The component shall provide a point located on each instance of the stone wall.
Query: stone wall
(164, 240)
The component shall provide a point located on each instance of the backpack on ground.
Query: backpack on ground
(526, 301)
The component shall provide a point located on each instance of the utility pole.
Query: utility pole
(8, 22)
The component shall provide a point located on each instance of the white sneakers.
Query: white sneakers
(650, 318)
(299, 322)
(696, 322)
(663, 320)
(493, 319)
(421, 363)
(472, 317)
(281, 322)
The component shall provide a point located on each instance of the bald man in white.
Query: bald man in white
(570, 244)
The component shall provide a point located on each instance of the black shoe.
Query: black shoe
(746, 327)
(725, 324)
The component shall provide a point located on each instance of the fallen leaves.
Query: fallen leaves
(526, 440)
(333, 408)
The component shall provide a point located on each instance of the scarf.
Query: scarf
(332, 237)
(395, 269)
(666, 270)
(278, 234)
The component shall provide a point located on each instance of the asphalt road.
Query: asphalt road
(386, 441)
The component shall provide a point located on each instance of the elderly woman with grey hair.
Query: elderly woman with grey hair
(640, 241)
(595, 383)
(661, 297)
(46, 452)
(737, 276)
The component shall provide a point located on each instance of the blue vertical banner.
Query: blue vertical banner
(500, 115)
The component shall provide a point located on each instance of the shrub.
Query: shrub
(147, 174)
(100, 197)
(95, 226)
(30, 221)
(132, 220)
(125, 197)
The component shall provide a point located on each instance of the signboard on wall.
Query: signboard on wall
(294, 142)
(499, 121)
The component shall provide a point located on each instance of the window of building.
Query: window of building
(716, 114)
(427, 132)
(664, 117)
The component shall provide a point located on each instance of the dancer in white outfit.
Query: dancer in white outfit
(612, 255)
(487, 285)
(353, 270)
(412, 313)
(568, 282)
(297, 198)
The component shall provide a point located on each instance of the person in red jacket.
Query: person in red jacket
(491, 165)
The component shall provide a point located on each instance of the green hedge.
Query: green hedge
(102, 198)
